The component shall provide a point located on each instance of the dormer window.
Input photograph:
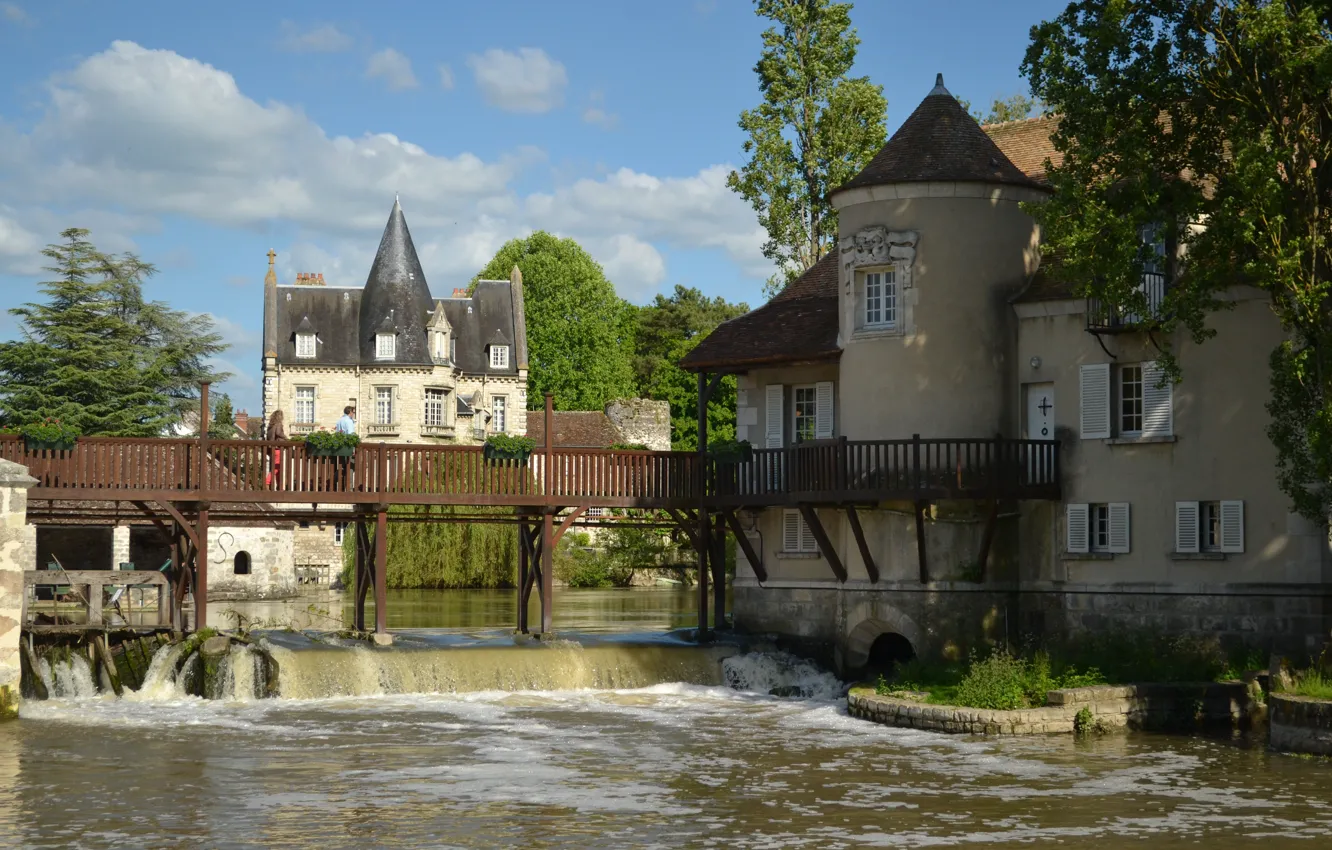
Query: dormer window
(499, 357)
(386, 346)
(305, 345)
(442, 347)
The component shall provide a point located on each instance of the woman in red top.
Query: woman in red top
(276, 431)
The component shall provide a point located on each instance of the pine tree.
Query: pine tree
(96, 355)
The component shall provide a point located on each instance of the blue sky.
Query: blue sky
(201, 135)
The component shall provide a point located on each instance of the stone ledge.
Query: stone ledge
(1112, 706)
(1300, 724)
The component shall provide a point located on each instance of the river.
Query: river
(537, 760)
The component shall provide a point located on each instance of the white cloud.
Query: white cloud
(14, 13)
(595, 113)
(634, 266)
(393, 68)
(526, 80)
(325, 38)
(445, 77)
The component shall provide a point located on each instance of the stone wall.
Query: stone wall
(642, 420)
(271, 563)
(1157, 706)
(1300, 724)
(18, 553)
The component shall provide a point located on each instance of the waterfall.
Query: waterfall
(780, 674)
(67, 678)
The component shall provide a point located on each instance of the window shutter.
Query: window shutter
(1232, 526)
(1158, 418)
(1095, 391)
(1186, 527)
(823, 410)
(774, 416)
(1119, 528)
(1077, 529)
(791, 531)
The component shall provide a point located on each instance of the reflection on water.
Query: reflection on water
(664, 766)
(576, 609)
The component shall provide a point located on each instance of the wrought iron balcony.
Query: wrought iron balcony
(1107, 318)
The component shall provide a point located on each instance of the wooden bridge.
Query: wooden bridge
(183, 484)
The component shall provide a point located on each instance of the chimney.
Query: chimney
(321, 278)
(459, 293)
(242, 422)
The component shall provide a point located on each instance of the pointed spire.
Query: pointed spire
(396, 287)
(938, 87)
(270, 307)
(519, 306)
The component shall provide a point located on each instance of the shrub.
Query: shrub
(331, 440)
(1083, 721)
(996, 682)
(629, 447)
(49, 431)
(511, 443)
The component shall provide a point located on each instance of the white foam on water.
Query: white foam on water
(781, 674)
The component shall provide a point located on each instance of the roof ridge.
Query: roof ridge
(1027, 120)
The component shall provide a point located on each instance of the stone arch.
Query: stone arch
(240, 565)
(885, 621)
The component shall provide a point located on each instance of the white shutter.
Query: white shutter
(1077, 529)
(1232, 526)
(774, 414)
(1158, 418)
(1119, 528)
(1095, 392)
(1186, 527)
(823, 410)
(791, 529)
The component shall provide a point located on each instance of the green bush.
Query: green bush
(579, 565)
(628, 447)
(331, 440)
(49, 431)
(510, 443)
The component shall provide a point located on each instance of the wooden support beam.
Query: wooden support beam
(362, 575)
(703, 543)
(920, 542)
(686, 524)
(185, 524)
(987, 539)
(866, 556)
(718, 563)
(524, 554)
(381, 572)
(568, 521)
(155, 518)
(704, 555)
(742, 540)
(825, 543)
(547, 572)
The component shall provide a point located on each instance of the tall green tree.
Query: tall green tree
(222, 420)
(1181, 112)
(1013, 108)
(579, 332)
(668, 329)
(815, 129)
(99, 357)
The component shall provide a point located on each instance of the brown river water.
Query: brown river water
(618, 735)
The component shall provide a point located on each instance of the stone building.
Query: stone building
(935, 316)
(418, 369)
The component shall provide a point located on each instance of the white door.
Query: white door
(1040, 426)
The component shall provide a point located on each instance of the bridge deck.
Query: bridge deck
(826, 472)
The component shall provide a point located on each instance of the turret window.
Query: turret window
(880, 299)
(499, 357)
(386, 346)
(305, 345)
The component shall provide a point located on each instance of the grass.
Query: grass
(1011, 680)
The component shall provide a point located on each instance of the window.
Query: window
(305, 345)
(339, 532)
(596, 513)
(441, 346)
(305, 405)
(804, 408)
(386, 346)
(499, 357)
(384, 406)
(881, 299)
(1209, 527)
(498, 413)
(434, 407)
(240, 565)
(453, 350)
(1130, 400)
(1098, 528)
(1145, 401)
(796, 536)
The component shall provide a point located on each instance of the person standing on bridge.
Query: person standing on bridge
(277, 430)
(347, 424)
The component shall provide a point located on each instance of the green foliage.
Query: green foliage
(49, 431)
(322, 440)
(99, 357)
(579, 332)
(579, 565)
(1232, 94)
(444, 555)
(730, 451)
(1312, 683)
(1084, 721)
(668, 329)
(815, 129)
(628, 447)
(222, 424)
(511, 444)
(1014, 108)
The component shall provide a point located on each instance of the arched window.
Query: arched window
(240, 565)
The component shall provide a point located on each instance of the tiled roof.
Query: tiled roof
(940, 141)
(799, 324)
(1048, 284)
(1027, 143)
(575, 429)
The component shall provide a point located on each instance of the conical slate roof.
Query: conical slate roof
(940, 141)
(396, 295)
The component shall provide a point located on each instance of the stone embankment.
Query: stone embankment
(1300, 724)
(1154, 706)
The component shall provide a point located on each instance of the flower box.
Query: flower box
(35, 445)
(330, 451)
(494, 453)
(731, 452)
(331, 444)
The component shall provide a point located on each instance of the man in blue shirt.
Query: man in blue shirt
(347, 424)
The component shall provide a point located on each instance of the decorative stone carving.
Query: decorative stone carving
(878, 245)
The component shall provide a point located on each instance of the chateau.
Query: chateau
(936, 317)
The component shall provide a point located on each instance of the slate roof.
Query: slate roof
(798, 325)
(395, 297)
(575, 429)
(940, 141)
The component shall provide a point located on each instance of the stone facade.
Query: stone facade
(250, 563)
(18, 553)
(642, 421)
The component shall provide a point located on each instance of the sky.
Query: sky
(199, 136)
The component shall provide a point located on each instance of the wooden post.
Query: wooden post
(94, 604)
(704, 526)
(204, 416)
(524, 553)
(381, 571)
(547, 571)
(718, 558)
(201, 571)
(548, 464)
(362, 567)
